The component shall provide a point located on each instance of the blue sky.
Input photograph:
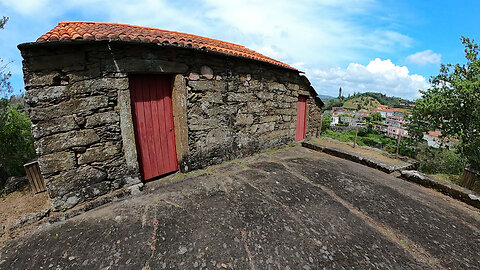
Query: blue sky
(392, 47)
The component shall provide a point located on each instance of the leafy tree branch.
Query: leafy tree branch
(452, 105)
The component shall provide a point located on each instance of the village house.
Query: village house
(385, 112)
(394, 121)
(338, 110)
(398, 112)
(357, 123)
(434, 139)
(362, 113)
(113, 105)
(359, 119)
(342, 115)
(346, 118)
(341, 110)
(335, 120)
(394, 132)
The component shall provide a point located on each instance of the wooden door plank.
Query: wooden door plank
(140, 124)
(29, 177)
(158, 122)
(32, 176)
(37, 176)
(149, 89)
(166, 125)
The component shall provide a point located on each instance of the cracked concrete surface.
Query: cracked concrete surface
(293, 209)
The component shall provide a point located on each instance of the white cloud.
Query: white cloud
(299, 65)
(378, 76)
(25, 7)
(425, 58)
(314, 32)
(320, 32)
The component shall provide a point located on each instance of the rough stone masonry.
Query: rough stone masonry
(224, 107)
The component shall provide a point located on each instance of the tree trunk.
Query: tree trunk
(355, 141)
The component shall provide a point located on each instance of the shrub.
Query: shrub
(371, 140)
(407, 148)
(326, 123)
(15, 139)
(439, 160)
(389, 149)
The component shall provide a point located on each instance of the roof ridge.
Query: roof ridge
(149, 27)
(89, 30)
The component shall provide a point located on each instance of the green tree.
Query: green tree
(333, 103)
(377, 117)
(16, 140)
(326, 123)
(432, 160)
(452, 104)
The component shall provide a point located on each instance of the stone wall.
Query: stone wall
(232, 114)
(79, 105)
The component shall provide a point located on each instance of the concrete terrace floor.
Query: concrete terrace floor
(293, 209)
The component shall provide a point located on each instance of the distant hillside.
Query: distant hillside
(368, 100)
(325, 98)
(393, 102)
(361, 102)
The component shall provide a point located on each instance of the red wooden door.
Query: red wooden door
(153, 123)
(301, 117)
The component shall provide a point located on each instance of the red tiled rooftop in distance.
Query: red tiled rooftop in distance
(124, 32)
(385, 110)
(434, 133)
(438, 134)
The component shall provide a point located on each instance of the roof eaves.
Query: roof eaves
(27, 45)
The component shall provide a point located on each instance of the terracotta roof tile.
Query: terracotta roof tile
(114, 31)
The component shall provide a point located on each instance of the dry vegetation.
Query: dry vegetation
(21, 202)
(367, 103)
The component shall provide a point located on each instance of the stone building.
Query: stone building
(114, 104)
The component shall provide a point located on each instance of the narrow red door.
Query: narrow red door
(301, 117)
(153, 123)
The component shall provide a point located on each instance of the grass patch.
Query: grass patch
(182, 175)
(371, 138)
(364, 139)
(279, 150)
(453, 178)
